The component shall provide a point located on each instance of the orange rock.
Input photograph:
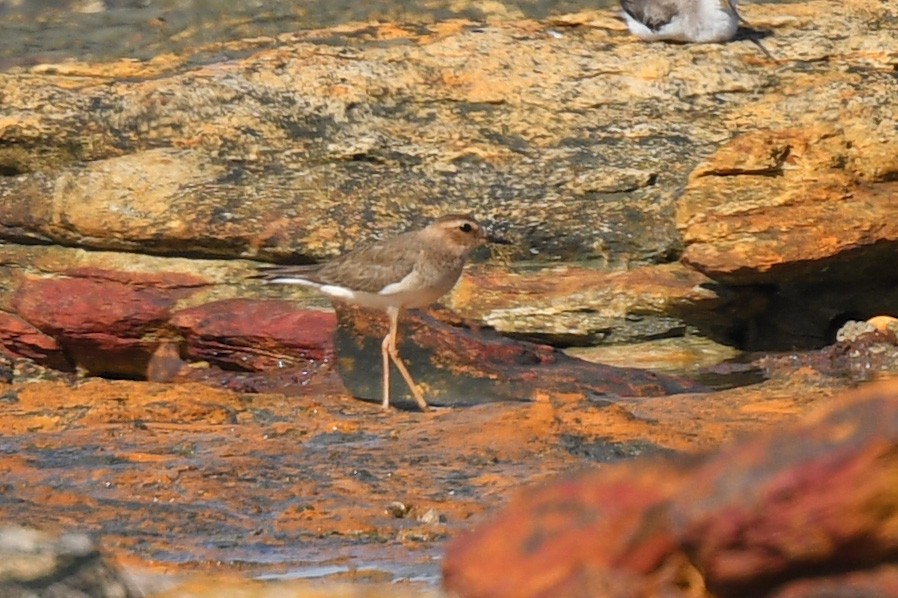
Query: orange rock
(813, 203)
(597, 533)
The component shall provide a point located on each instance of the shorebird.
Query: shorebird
(411, 270)
(700, 21)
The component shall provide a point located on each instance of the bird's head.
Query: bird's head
(463, 234)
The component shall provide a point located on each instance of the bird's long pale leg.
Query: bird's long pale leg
(385, 353)
(389, 348)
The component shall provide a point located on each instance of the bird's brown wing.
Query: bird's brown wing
(374, 266)
(654, 14)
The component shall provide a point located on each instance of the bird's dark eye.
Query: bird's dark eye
(466, 227)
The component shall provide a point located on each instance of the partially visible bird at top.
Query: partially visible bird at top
(695, 21)
(699, 21)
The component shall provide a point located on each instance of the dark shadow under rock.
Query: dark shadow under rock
(456, 363)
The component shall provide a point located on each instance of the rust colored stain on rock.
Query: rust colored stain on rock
(182, 475)
(560, 540)
(815, 499)
(821, 496)
(256, 335)
(880, 581)
(794, 186)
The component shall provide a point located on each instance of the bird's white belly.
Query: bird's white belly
(711, 25)
(400, 298)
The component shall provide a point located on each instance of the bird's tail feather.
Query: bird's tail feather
(292, 274)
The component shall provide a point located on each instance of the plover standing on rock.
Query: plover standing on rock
(410, 270)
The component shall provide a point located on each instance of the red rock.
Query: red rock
(815, 499)
(601, 533)
(18, 338)
(819, 497)
(882, 581)
(105, 325)
(256, 335)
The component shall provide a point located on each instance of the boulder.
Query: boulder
(772, 513)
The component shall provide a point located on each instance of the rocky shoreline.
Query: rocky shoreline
(154, 396)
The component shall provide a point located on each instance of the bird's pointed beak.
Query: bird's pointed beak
(492, 233)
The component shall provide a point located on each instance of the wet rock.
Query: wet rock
(186, 476)
(461, 364)
(692, 353)
(815, 499)
(35, 564)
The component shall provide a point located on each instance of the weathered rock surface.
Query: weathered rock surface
(864, 351)
(105, 321)
(812, 229)
(111, 322)
(181, 477)
(813, 499)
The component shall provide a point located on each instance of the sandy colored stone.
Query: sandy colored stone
(772, 178)
(572, 305)
(814, 204)
(260, 155)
